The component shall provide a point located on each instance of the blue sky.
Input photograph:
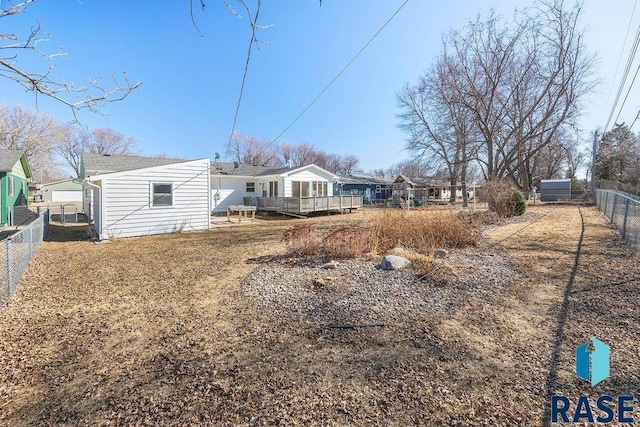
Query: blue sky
(190, 85)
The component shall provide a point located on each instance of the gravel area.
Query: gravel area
(359, 292)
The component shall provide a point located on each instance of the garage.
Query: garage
(60, 191)
(66, 196)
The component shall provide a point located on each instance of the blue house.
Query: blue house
(372, 189)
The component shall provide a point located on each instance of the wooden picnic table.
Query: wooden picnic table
(242, 212)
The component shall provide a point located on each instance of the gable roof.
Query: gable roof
(9, 158)
(98, 164)
(361, 179)
(420, 182)
(223, 168)
(243, 169)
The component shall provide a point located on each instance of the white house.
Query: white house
(127, 196)
(238, 184)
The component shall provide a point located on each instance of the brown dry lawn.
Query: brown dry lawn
(155, 331)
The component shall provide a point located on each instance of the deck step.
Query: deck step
(291, 214)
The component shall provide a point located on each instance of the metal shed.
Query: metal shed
(553, 190)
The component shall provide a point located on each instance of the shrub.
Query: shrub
(504, 199)
(302, 239)
(419, 231)
(349, 241)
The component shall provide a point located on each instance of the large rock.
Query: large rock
(394, 262)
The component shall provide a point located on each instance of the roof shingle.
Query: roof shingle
(9, 158)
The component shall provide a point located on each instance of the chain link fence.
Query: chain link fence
(19, 215)
(17, 251)
(623, 210)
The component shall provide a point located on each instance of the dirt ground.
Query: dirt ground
(156, 331)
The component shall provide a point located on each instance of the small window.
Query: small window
(251, 187)
(162, 194)
(378, 189)
(24, 188)
(11, 187)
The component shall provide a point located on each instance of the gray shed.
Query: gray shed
(552, 190)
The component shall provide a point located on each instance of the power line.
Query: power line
(624, 78)
(626, 37)
(336, 77)
(254, 23)
(627, 95)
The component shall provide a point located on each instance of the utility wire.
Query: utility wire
(625, 76)
(627, 95)
(626, 37)
(335, 78)
(254, 24)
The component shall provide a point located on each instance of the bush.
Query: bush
(303, 239)
(504, 199)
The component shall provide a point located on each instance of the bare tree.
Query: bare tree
(92, 96)
(251, 150)
(35, 133)
(73, 141)
(499, 94)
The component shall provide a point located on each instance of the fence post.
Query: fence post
(623, 229)
(9, 278)
(613, 210)
(30, 228)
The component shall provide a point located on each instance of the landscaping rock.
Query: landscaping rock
(331, 265)
(394, 262)
(441, 253)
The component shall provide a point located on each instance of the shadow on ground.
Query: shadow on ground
(68, 233)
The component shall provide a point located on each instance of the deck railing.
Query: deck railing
(309, 204)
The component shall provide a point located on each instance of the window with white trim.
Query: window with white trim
(161, 194)
(250, 187)
(11, 187)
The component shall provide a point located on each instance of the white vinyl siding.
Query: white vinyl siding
(127, 210)
(227, 191)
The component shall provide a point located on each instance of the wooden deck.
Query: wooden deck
(307, 205)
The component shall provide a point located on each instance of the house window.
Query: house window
(319, 188)
(295, 188)
(24, 188)
(273, 189)
(378, 189)
(11, 187)
(162, 194)
(250, 187)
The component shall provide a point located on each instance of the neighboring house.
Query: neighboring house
(15, 175)
(238, 184)
(371, 188)
(426, 189)
(66, 190)
(127, 196)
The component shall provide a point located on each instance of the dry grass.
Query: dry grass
(154, 331)
(420, 231)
